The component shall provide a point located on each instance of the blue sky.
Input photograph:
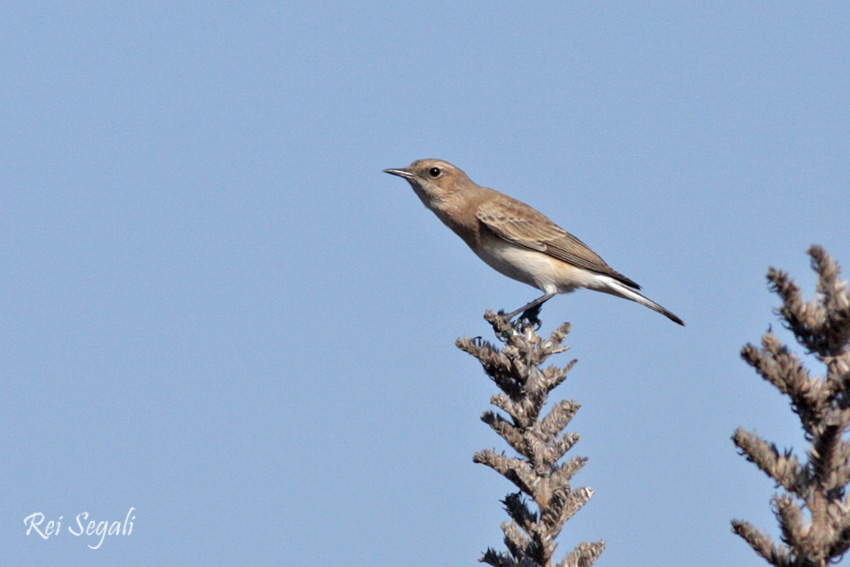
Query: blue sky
(219, 312)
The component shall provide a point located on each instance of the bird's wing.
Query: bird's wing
(520, 224)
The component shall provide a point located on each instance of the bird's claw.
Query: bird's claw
(530, 317)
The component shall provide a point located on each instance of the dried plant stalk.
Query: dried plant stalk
(543, 482)
(814, 511)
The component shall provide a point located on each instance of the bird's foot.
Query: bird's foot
(530, 317)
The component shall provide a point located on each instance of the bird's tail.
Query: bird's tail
(620, 289)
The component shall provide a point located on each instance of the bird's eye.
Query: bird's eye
(435, 172)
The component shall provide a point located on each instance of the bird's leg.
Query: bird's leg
(531, 311)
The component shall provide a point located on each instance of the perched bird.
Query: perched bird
(516, 239)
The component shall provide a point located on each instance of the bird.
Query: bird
(516, 239)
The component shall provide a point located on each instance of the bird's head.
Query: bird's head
(434, 180)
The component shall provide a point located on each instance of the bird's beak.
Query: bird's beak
(400, 172)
